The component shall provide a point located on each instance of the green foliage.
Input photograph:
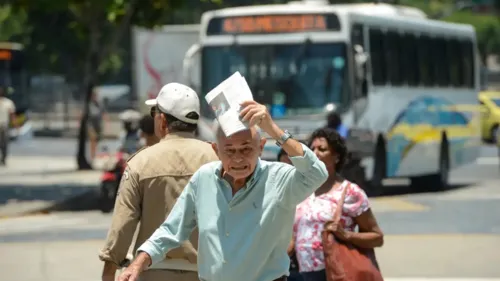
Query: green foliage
(487, 30)
(61, 34)
(73, 34)
(12, 23)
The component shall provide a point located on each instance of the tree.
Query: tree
(97, 27)
(487, 25)
(487, 31)
(12, 23)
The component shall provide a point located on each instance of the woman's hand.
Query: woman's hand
(291, 248)
(339, 231)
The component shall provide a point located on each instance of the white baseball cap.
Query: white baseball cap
(177, 100)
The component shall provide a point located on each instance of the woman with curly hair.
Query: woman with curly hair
(318, 209)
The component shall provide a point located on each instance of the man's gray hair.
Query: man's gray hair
(218, 130)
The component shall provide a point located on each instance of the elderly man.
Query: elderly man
(244, 207)
(152, 182)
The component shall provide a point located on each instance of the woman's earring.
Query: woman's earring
(337, 160)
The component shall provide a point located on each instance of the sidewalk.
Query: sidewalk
(402, 258)
(32, 183)
(70, 129)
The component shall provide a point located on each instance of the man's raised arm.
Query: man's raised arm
(298, 182)
(308, 173)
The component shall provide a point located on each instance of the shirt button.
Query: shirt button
(224, 261)
(227, 233)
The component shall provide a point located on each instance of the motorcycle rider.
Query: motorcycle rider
(147, 126)
(153, 180)
(134, 139)
(130, 137)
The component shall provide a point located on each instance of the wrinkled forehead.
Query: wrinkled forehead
(250, 136)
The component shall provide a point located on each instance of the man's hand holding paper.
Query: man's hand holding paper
(256, 114)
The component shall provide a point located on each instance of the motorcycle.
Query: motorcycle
(110, 180)
(116, 164)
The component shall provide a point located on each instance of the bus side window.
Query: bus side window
(377, 64)
(456, 72)
(357, 38)
(393, 57)
(426, 72)
(441, 62)
(468, 59)
(410, 60)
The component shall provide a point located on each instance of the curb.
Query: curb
(81, 198)
(84, 202)
(66, 134)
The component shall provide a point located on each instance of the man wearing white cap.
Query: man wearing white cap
(153, 180)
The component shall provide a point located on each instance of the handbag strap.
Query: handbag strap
(340, 204)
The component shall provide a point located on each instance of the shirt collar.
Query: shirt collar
(250, 181)
(178, 135)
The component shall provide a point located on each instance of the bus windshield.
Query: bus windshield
(290, 79)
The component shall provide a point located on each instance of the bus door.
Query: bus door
(359, 59)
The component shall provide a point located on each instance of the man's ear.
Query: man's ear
(262, 144)
(214, 146)
(164, 123)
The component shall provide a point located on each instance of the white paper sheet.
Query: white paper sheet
(225, 102)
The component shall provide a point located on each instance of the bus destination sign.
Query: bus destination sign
(5, 55)
(263, 24)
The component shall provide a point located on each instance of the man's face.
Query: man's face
(240, 152)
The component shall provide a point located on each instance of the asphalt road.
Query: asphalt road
(453, 234)
(449, 234)
(487, 163)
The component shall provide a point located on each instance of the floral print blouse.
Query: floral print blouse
(313, 212)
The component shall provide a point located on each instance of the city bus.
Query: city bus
(405, 85)
(14, 80)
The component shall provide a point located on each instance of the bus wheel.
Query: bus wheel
(439, 181)
(376, 183)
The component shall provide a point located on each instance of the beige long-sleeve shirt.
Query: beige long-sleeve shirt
(152, 182)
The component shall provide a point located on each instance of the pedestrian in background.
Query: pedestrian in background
(334, 121)
(243, 206)
(97, 116)
(153, 180)
(320, 207)
(7, 115)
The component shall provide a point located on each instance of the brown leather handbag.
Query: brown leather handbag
(344, 261)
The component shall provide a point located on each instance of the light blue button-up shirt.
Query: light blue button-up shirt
(244, 237)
